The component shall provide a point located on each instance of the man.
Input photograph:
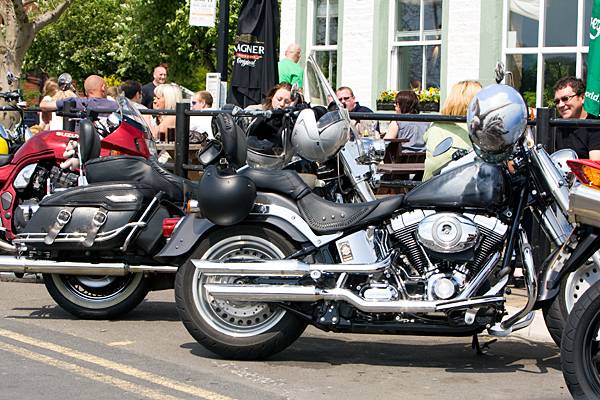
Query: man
(159, 77)
(365, 128)
(569, 93)
(289, 70)
(95, 90)
(202, 100)
(133, 91)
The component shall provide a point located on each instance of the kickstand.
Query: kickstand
(479, 349)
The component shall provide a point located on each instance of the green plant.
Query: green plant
(387, 96)
(431, 95)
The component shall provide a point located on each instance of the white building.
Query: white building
(376, 45)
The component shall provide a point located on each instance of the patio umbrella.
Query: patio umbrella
(255, 58)
(592, 90)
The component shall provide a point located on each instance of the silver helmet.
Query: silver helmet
(319, 140)
(496, 119)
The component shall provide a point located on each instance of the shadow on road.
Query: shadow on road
(146, 311)
(507, 355)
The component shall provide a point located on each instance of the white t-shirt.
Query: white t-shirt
(201, 123)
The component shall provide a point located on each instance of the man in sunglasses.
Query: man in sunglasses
(202, 100)
(569, 93)
(365, 128)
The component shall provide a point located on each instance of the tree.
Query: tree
(20, 22)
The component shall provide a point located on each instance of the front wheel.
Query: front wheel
(571, 289)
(97, 297)
(235, 330)
(580, 347)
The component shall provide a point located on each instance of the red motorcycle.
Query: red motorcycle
(34, 172)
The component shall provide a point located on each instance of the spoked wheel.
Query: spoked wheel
(580, 348)
(571, 290)
(97, 297)
(239, 330)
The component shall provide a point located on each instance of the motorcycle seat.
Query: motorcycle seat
(5, 159)
(325, 217)
(138, 169)
(285, 182)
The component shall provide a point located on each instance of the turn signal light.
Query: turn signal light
(115, 153)
(169, 225)
(587, 171)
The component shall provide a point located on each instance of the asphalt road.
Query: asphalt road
(47, 354)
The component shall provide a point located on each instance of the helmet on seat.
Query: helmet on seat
(319, 140)
(496, 119)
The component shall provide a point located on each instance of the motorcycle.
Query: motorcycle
(435, 261)
(580, 343)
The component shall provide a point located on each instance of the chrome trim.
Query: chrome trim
(4, 245)
(296, 220)
(141, 220)
(584, 205)
(24, 176)
(480, 278)
(555, 179)
(277, 293)
(24, 265)
(283, 268)
(357, 173)
(555, 225)
(75, 237)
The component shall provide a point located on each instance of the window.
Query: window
(416, 44)
(545, 40)
(323, 37)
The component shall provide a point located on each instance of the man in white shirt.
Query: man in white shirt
(201, 101)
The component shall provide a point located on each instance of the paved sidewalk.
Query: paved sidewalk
(28, 278)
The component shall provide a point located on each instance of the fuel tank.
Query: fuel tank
(45, 142)
(477, 185)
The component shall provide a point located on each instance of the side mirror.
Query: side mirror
(65, 81)
(443, 147)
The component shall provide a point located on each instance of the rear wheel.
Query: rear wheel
(237, 330)
(97, 297)
(580, 347)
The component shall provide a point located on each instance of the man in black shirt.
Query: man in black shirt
(569, 93)
(159, 77)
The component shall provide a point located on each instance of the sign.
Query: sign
(592, 90)
(213, 86)
(203, 12)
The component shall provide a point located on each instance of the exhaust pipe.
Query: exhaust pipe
(5, 246)
(277, 293)
(287, 268)
(24, 265)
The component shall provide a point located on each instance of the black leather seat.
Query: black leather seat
(138, 169)
(89, 141)
(285, 182)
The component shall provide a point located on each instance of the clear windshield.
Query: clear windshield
(131, 114)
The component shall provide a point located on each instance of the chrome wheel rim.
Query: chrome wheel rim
(232, 318)
(578, 282)
(96, 292)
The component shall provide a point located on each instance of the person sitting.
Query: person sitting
(456, 104)
(266, 132)
(200, 124)
(166, 97)
(407, 102)
(363, 128)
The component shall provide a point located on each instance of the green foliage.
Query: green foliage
(126, 39)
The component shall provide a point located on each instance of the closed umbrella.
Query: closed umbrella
(592, 91)
(255, 58)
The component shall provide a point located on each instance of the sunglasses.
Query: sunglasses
(564, 99)
(345, 98)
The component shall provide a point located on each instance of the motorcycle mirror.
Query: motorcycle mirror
(65, 80)
(499, 72)
(295, 95)
(443, 147)
(11, 78)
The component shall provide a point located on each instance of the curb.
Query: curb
(27, 278)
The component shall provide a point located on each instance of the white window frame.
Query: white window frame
(393, 59)
(313, 48)
(579, 49)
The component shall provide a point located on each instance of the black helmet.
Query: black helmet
(225, 198)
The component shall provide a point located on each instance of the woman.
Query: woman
(166, 97)
(280, 96)
(407, 102)
(456, 104)
(267, 131)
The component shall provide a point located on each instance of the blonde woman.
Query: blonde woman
(52, 93)
(456, 104)
(166, 97)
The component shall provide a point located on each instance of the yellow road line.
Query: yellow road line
(88, 373)
(122, 368)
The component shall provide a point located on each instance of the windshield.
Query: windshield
(318, 91)
(132, 116)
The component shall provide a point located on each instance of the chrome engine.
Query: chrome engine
(439, 253)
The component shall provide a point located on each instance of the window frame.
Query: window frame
(541, 50)
(394, 45)
(314, 48)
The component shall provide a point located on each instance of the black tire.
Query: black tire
(97, 297)
(556, 311)
(580, 349)
(235, 330)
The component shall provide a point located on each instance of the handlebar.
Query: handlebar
(14, 95)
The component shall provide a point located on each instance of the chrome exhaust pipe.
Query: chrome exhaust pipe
(24, 265)
(5, 246)
(283, 268)
(277, 293)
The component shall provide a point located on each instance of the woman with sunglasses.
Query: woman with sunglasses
(569, 93)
